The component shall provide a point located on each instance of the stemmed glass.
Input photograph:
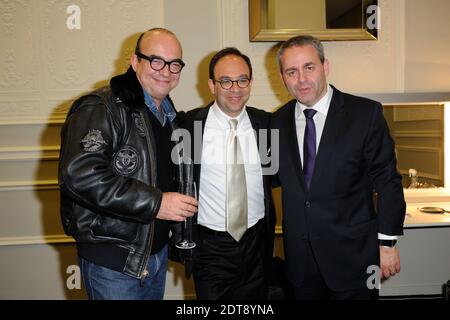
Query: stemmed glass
(186, 241)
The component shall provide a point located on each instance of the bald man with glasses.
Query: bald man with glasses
(117, 179)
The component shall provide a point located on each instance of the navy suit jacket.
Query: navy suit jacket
(337, 215)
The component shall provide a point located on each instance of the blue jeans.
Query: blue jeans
(105, 284)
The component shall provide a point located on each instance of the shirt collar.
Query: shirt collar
(321, 106)
(167, 110)
(223, 119)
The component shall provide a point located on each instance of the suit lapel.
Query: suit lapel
(292, 143)
(201, 115)
(256, 123)
(334, 121)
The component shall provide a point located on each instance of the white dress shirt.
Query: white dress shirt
(212, 197)
(321, 107)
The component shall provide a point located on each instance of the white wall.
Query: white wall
(44, 67)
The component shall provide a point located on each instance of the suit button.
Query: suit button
(307, 204)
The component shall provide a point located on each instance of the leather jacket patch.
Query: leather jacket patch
(93, 141)
(139, 125)
(126, 161)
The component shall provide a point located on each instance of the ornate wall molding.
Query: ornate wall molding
(18, 60)
(25, 112)
(34, 185)
(31, 240)
(30, 153)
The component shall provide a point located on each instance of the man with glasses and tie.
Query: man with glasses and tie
(117, 181)
(235, 222)
(335, 152)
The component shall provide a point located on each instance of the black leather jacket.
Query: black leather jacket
(107, 172)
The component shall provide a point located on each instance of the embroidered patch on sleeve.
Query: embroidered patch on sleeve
(93, 141)
(126, 161)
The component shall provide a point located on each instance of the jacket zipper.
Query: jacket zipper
(144, 273)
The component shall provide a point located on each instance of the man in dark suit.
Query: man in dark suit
(234, 227)
(335, 152)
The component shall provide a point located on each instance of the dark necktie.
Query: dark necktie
(309, 146)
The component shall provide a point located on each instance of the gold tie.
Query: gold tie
(236, 205)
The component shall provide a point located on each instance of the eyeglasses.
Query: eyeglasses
(228, 83)
(158, 63)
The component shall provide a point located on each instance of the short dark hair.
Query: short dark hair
(300, 41)
(138, 43)
(227, 52)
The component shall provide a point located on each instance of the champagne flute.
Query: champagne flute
(186, 241)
